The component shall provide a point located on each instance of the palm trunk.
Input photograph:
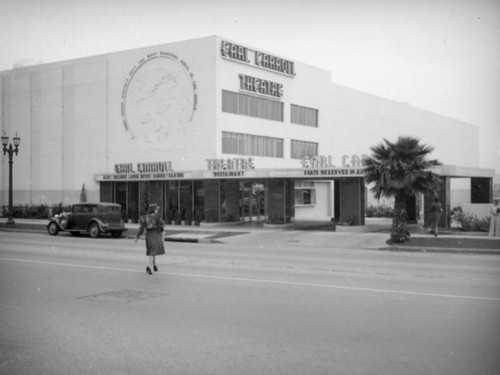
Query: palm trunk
(399, 231)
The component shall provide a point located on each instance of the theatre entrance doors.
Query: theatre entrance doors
(253, 201)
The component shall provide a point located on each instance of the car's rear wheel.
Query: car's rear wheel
(94, 230)
(53, 229)
(116, 234)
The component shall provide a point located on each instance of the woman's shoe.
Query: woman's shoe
(148, 270)
(155, 268)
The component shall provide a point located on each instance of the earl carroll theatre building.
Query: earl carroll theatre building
(214, 131)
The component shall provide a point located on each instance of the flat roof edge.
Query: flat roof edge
(463, 172)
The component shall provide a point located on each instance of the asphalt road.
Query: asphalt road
(84, 306)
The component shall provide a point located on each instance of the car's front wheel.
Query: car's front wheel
(94, 230)
(53, 229)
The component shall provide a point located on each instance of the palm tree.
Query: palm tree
(400, 170)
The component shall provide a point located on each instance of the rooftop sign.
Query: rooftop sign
(245, 55)
(261, 86)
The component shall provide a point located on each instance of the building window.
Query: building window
(305, 193)
(252, 106)
(256, 145)
(301, 149)
(303, 115)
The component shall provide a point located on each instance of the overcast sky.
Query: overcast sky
(438, 55)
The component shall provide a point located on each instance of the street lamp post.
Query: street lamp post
(10, 150)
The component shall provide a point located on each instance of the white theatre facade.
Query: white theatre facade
(214, 131)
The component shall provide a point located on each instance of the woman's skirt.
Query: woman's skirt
(154, 242)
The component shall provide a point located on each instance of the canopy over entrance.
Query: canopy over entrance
(481, 188)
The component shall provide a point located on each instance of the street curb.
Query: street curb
(212, 239)
(444, 250)
(191, 240)
(129, 234)
(26, 230)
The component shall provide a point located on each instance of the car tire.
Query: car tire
(53, 229)
(94, 230)
(116, 234)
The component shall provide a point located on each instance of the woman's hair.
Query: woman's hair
(152, 208)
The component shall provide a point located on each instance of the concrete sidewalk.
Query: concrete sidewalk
(374, 236)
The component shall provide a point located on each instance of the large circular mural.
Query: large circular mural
(158, 100)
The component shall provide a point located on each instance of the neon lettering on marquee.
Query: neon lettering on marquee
(356, 161)
(124, 168)
(230, 164)
(348, 161)
(163, 166)
(316, 162)
(154, 167)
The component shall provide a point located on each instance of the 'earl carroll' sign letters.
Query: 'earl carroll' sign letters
(242, 54)
(323, 166)
(154, 167)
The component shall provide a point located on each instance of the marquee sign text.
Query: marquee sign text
(348, 161)
(323, 166)
(229, 167)
(155, 167)
(230, 164)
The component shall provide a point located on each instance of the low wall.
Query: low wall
(481, 210)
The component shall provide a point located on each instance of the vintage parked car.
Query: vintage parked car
(93, 218)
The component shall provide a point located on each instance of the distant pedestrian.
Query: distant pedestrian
(436, 211)
(495, 218)
(152, 224)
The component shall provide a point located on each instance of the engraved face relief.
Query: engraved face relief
(159, 100)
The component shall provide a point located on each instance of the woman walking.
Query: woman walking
(436, 210)
(153, 224)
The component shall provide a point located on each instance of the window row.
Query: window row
(301, 149)
(252, 106)
(248, 105)
(303, 115)
(256, 145)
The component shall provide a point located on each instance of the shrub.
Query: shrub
(40, 211)
(468, 222)
(59, 208)
(379, 211)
